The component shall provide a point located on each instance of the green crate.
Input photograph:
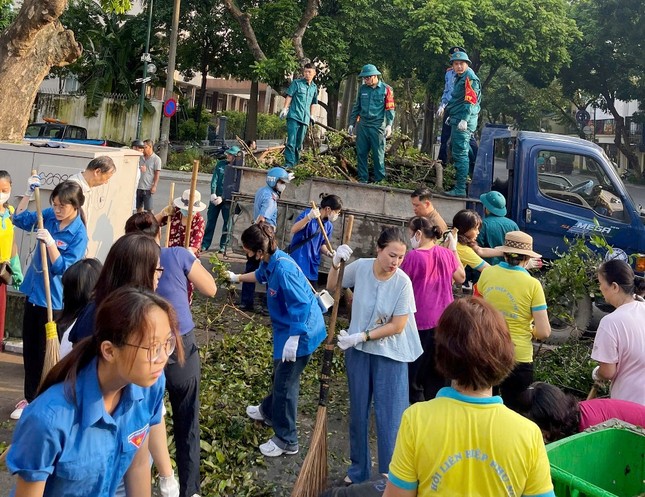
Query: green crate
(604, 461)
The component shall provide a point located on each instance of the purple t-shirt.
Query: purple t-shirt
(596, 411)
(173, 284)
(430, 271)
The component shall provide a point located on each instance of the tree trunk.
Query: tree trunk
(251, 130)
(332, 104)
(621, 133)
(348, 100)
(34, 43)
(202, 93)
(428, 125)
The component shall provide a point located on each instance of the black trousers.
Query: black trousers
(33, 346)
(512, 388)
(182, 383)
(423, 378)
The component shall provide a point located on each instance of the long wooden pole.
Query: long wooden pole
(170, 203)
(322, 229)
(191, 201)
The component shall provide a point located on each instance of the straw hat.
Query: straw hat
(182, 202)
(516, 242)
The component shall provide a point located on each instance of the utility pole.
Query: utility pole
(170, 81)
(146, 59)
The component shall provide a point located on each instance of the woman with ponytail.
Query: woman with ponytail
(88, 427)
(298, 329)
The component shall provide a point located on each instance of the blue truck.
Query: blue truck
(59, 131)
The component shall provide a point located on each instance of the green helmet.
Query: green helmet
(460, 56)
(369, 70)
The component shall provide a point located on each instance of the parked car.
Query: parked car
(56, 130)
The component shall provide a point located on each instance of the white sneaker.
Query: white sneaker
(253, 412)
(20, 406)
(270, 449)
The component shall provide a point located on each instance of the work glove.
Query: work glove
(345, 340)
(284, 112)
(232, 277)
(350, 129)
(451, 241)
(290, 349)
(596, 377)
(343, 253)
(314, 213)
(168, 211)
(32, 183)
(291, 176)
(44, 236)
(440, 111)
(463, 125)
(215, 199)
(168, 486)
(16, 271)
(388, 131)
(534, 263)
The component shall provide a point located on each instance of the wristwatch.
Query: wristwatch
(367, 335)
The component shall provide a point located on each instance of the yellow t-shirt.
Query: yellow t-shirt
(6, 235)
(516, 294)
(456, 446)
(469, 257)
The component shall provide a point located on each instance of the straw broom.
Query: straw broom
(170, 203)
(191, 201)
(312, 479)
(52, 345)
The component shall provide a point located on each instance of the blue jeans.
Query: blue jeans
(296, 132)
(211, 224)
(280, 407)
(144, 200)
(385, 381)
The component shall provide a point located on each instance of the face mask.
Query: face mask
(333, 216)
(280, 187)
(414, 243)
(4, 197)
(184, 212)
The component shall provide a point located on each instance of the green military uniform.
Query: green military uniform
(464, 105)
(303, 96)
(374, 110)
(493, 232)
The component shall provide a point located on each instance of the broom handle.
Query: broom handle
(193, 187)
(322, 229)
(347, 236)
(44, 259)
(593, 392)
(170, 203)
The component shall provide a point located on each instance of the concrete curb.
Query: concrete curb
(184, 176)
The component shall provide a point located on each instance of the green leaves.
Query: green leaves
(276, 69)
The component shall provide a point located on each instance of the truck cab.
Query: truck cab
(559, 186)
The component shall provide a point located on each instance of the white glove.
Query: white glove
(291, 176)
(451, 241)
(388, 131)
(346, 340)
(440, 111)
(463, 125)
(168, 486)
(290, 349)
(32, 183)
(43, 235)
(534, 263)
(595, 376)
(350, 129)
(284, 112)
(314, 213)
(342, 254)
(232, 277)
(215, 199)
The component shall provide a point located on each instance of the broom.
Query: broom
(170, 203)
(312, 479)
(52, 345)
(322, 230)
(191, 201)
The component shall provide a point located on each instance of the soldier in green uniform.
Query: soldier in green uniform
(372, 116)
(301, 97)
(495, 225)
(464, 111)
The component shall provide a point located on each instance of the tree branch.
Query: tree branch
(244, 20)
(311, 11)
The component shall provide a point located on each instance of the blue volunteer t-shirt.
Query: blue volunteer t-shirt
(307, 255)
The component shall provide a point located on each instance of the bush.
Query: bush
(270, 126)
(183, 161)
(188, 131)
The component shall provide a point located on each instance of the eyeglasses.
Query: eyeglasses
(154, 351)
(159, 270)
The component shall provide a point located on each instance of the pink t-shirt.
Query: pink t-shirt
(620, 340)
(596, 411)
(431, 273)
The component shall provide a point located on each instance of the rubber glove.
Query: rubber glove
(350, 129)
(168, 211)
(345, 340)
(168, 486)
(388, 131)
(343, 253)
(463, 125)
(440, 111)
(232, 277)
(33, 182)
(595, 376)
(314, 213)
(44, 236)
(215, 199)
(16, 269)
(284, 112)
(534, 263)
(451, 241)
(290, 349)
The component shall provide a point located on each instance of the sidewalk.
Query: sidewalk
(11, 382)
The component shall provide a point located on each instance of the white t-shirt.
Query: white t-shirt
(620, 340)
(87, 193)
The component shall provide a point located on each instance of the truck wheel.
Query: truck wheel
(562, 332)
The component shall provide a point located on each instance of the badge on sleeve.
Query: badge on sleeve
(136, 438)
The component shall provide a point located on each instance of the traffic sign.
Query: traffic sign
(587, 130)
(582, 116)
(170, 107)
